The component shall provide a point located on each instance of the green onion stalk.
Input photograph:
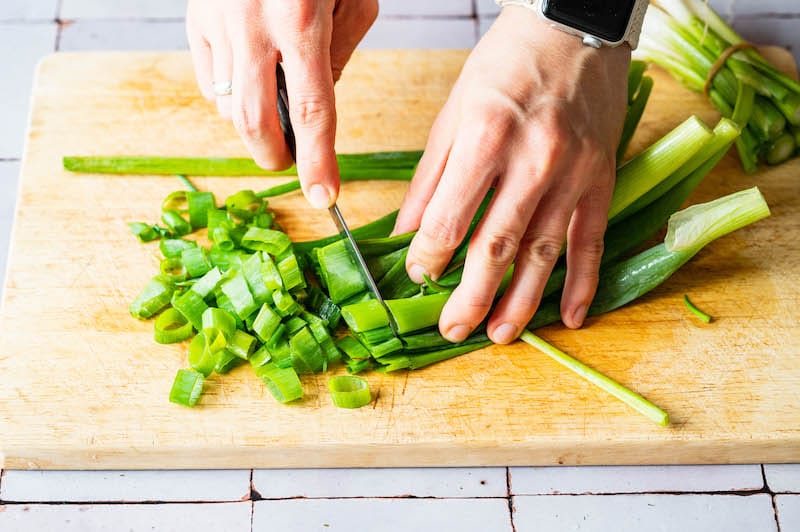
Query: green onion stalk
(688, 39)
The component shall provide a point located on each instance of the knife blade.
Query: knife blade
(336, 214)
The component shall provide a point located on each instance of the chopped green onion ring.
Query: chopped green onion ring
(186, 388)
(173, 269)
(349, 391)
(171, 327)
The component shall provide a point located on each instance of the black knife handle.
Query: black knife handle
(283, 112)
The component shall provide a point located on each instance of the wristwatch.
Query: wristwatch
(597, 22)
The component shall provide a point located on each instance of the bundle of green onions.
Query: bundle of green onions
(689, 40)
(649, 189)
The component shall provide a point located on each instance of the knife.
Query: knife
(336, 214)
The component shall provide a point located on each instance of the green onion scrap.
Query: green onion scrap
(696, 311)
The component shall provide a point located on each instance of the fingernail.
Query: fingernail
(318, 197)
(579, 315)
(457, 333)
(416, 273)
(505, 333)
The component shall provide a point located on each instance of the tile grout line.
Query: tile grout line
(775, 513)
(510, 498)
(771, 499)
(252, 513)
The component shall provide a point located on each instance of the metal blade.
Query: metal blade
(358, 258)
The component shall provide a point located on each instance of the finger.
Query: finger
(254, 102)
(538, 252)
(222, 68)
(309, 83)
(429, 171)
(491, 251)
(201, 60)
(351, 21)
(585, 250)
(471, 167)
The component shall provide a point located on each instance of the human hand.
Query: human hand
(538, 115)
(242, 41)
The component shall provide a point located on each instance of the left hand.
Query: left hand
(538, 115)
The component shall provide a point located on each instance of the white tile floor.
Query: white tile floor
(686, 498)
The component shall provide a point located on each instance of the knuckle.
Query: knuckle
(313, 112)
(248, 124)
(477, 305)
(441, 231)
(543, 250)
(492, 123)
(303, 15)
(500, 248)
(592, 248)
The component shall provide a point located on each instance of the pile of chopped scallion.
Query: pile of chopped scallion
(254, 296)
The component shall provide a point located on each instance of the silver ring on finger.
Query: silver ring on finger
(222, 88)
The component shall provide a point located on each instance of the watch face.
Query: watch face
(606, 19)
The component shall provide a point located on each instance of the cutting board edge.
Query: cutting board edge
(709, 451)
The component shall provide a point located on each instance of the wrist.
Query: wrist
(614, 23)
(531, 31)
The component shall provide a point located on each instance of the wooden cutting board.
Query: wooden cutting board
(83, 385)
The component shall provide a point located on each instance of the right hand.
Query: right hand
(242, 41)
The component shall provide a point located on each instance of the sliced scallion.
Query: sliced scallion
(282, 383)
(348, 391)
(186, 388)
(171, 327)
(154, 296)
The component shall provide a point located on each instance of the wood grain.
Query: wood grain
(83, 385)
